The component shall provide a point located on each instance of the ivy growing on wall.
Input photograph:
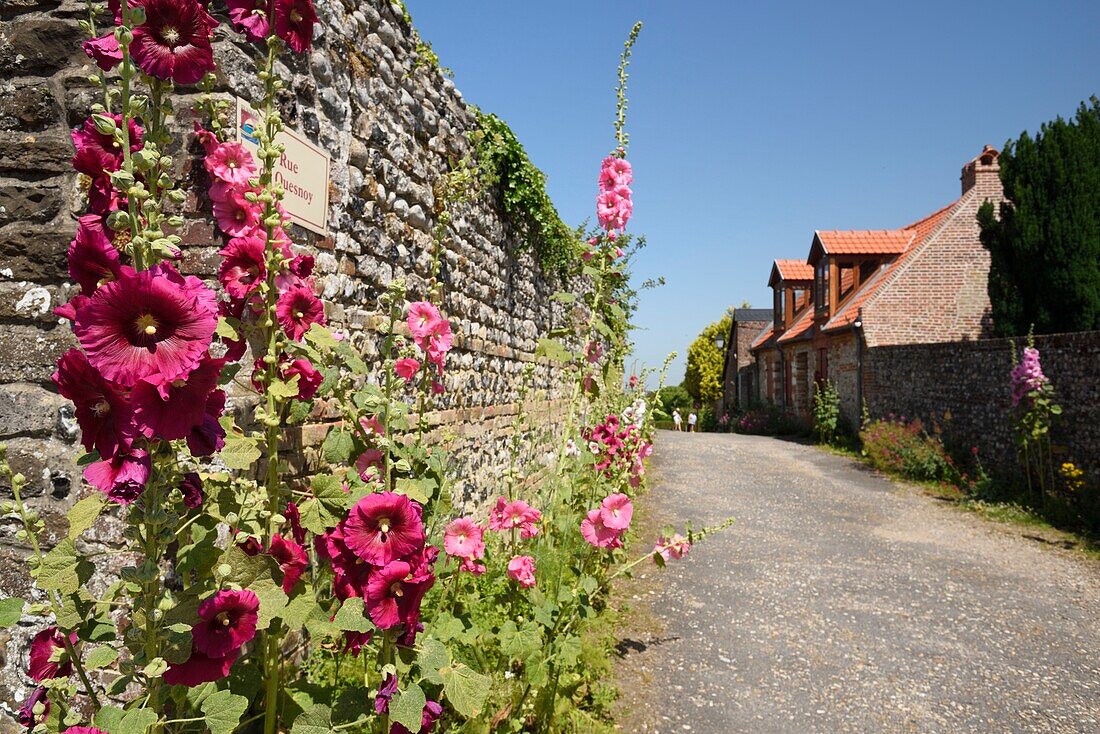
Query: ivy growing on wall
(522, 187)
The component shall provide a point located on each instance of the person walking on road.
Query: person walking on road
(677, 420)
(692, 419)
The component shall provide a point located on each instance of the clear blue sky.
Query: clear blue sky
(754, 123)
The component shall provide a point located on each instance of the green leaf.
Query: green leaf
(553, 349)
(108, 718)
(564, 297)
(255, 573)
(407, 707)
(136, 721)
(317, 719)
(239, 452)
(447, 627)
(431, 658)
(320, 337)
(351, 617)
(58, 571)
(300, 609)
(156, 668)
(223, 711)
(227, 330)
(10, 612)
(420, 490)
(465, 689)
(284, 389)
(100, 657)
(338, 446)
(84, 514)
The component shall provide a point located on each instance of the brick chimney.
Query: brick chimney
(984, 172)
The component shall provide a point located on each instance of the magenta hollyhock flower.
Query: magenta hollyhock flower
(593, 351)
(191, 487)
(232, 163)
(99, 153)
(516, 514)
(521, 569)
(406, 368)
(48, 658)
(154, 324)
(616, 511)
(422, 320)
(294, 519)
(250, 18)
(199, 669)
(383, 527)
(294, 20)
(309, 379)
(235, 214)
(102, 409)
(68, 309)
(28, 716)
(174, 41)
(431, 713)
(1027, 376)
(369, 465)
(385, 693)
(615, 172)
(675, 547)
(104, 51)
(297, 310)
(463, 538)
(93, 259)
(228, 620)
(598, 534)
(292, 560)
(171, 410)
(243, 266)
(209, 436)
(83, 730)
(394, 593)
(354, 642)
(439, 343)
(301, 265)
(122, 477)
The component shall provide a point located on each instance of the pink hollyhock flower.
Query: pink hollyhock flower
(209, 437)
(372, 425)
(294, 20)
(191, 487)
(297, 310)
(463, 539)
(385, 693)
(439, 343)
(93, 260)
(301, 265)
(249, 17)
(122, 477)
(471, 567)
(423, 319)
(102, 410)
(104, 51)
(30, 718)
(232, 163)
(614, 207)
(243, 266)
(383, 527)
(236, 215)
(228, 620)
(516, 514)
(394, 594)
(675, 547)
(309, 379)
(521, 569)
(593, 351)
(633, 382)
(152, 324)
(354, 642)
(48, 658)
(68, 309)
(83, 730)
(597, 534)
(615, 172)
(1027, 376)
(99, 153)
(199, 669)
(406, 368)
(292, 560)
(174, 41)
(616, 511)
(171, 410)
(369, 465)
(294, 519)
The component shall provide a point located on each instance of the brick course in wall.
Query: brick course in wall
(970, 381)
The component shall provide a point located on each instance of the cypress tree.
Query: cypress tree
(1044, 243)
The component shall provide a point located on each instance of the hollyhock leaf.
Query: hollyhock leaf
(431, 658)
(11, 610)
(100, 657)
(419, 490)
(588, 584)
(226, 329)
(338, 446)
(315, 517)
(447, 627)
(320, 337)
(553, 349)
(136, 721)
(58, 571)
(519, 644)
(84, 514)
(284, 389)
(317, 719)
(298, 612)
(563, 297)
(90, 457)
(108, 718)
(223, 711)
(352, 618)
(156, 668)
(465, 689)
(239, 452)
(407, 707)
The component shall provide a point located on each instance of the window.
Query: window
(821, 285)
(777, 308)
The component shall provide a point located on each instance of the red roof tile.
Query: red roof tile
(764, 336)
(794, 270)
(800, 329)
(864, 241)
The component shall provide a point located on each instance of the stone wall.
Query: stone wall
(970, 380)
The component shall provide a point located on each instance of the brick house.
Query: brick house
(921, 283)
(738, 369)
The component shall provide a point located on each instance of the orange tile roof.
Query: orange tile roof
(799, 329)
(794, 270)
(864, 241)
(764, 336)
(919, 232)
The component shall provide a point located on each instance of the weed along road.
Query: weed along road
(841, 602)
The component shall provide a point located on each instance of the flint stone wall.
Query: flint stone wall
(392, 124)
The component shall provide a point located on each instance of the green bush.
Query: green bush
(906, 449)
(826, 412)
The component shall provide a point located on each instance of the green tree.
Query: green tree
(1044, 243)
(703, 377)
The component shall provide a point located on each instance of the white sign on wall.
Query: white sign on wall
(302, 170)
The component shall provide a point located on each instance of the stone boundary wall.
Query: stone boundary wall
(393, 125)
(970, 380)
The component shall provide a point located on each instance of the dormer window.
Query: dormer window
(821, 284)
(778, 316)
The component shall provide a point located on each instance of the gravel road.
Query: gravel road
(842, 602)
